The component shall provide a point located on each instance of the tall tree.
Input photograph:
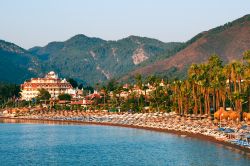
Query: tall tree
(43, 95)
(64, 96)
(73, 82)
(246, 57)
(216, 79)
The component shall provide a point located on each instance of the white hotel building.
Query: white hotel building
(51, 83)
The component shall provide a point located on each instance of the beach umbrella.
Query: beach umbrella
(230, 110)
(247, 136)
(221, 114)
(224, 115)
(244, 127)
(217, 115)
(198, 116)
(178, 117)
(246, 116)
(228, 130)
(214, 127)
(233, 115)
(204, 116)
(208, 122)
(221, 129)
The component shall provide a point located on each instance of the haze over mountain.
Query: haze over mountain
(93, 60)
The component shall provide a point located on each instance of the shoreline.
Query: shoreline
(179, 133)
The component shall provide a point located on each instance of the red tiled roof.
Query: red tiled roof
(92, 96)
(76, 102)
(82, 102)
(63, 101)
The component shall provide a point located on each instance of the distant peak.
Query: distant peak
(133, 36)
(82, 37)
(79, 36)
(11, 47)
(246, 16)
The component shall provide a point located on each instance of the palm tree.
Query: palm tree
(184, 92)
(193, 78)
(237, 72)
(174, 96)
(246, 57)
(145, 88)
(216, 79)
(240, 73)
(205, 87)
(104, 92)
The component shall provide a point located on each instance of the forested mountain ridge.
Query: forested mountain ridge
(16, 64)
(96, 60)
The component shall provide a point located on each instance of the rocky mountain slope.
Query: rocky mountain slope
(228, 41)
(95, 60)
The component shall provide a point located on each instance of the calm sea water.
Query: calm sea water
(43, 144)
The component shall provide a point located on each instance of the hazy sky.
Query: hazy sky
(29, 23)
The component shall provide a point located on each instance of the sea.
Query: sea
(94, 145)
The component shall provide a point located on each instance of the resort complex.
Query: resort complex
(212, 102)
(51, 83)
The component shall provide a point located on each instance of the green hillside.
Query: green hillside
(92, 60)
(16, 64)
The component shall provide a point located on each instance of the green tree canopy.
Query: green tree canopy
(112, 85)
(246, 57)
(80, 86)
(64, 96)
(8, 91)
(43, 95)
(72, 82)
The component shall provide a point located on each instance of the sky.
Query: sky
(30, 23)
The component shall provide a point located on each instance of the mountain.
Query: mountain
(92, 60)
(95, 60)
(228, 41)
(16, 64)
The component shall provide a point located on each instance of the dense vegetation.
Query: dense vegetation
(64, 97)
(83, 58)
(16, 64)
(209, 86)
(43, 95)
(91, 60)
(8, 93)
